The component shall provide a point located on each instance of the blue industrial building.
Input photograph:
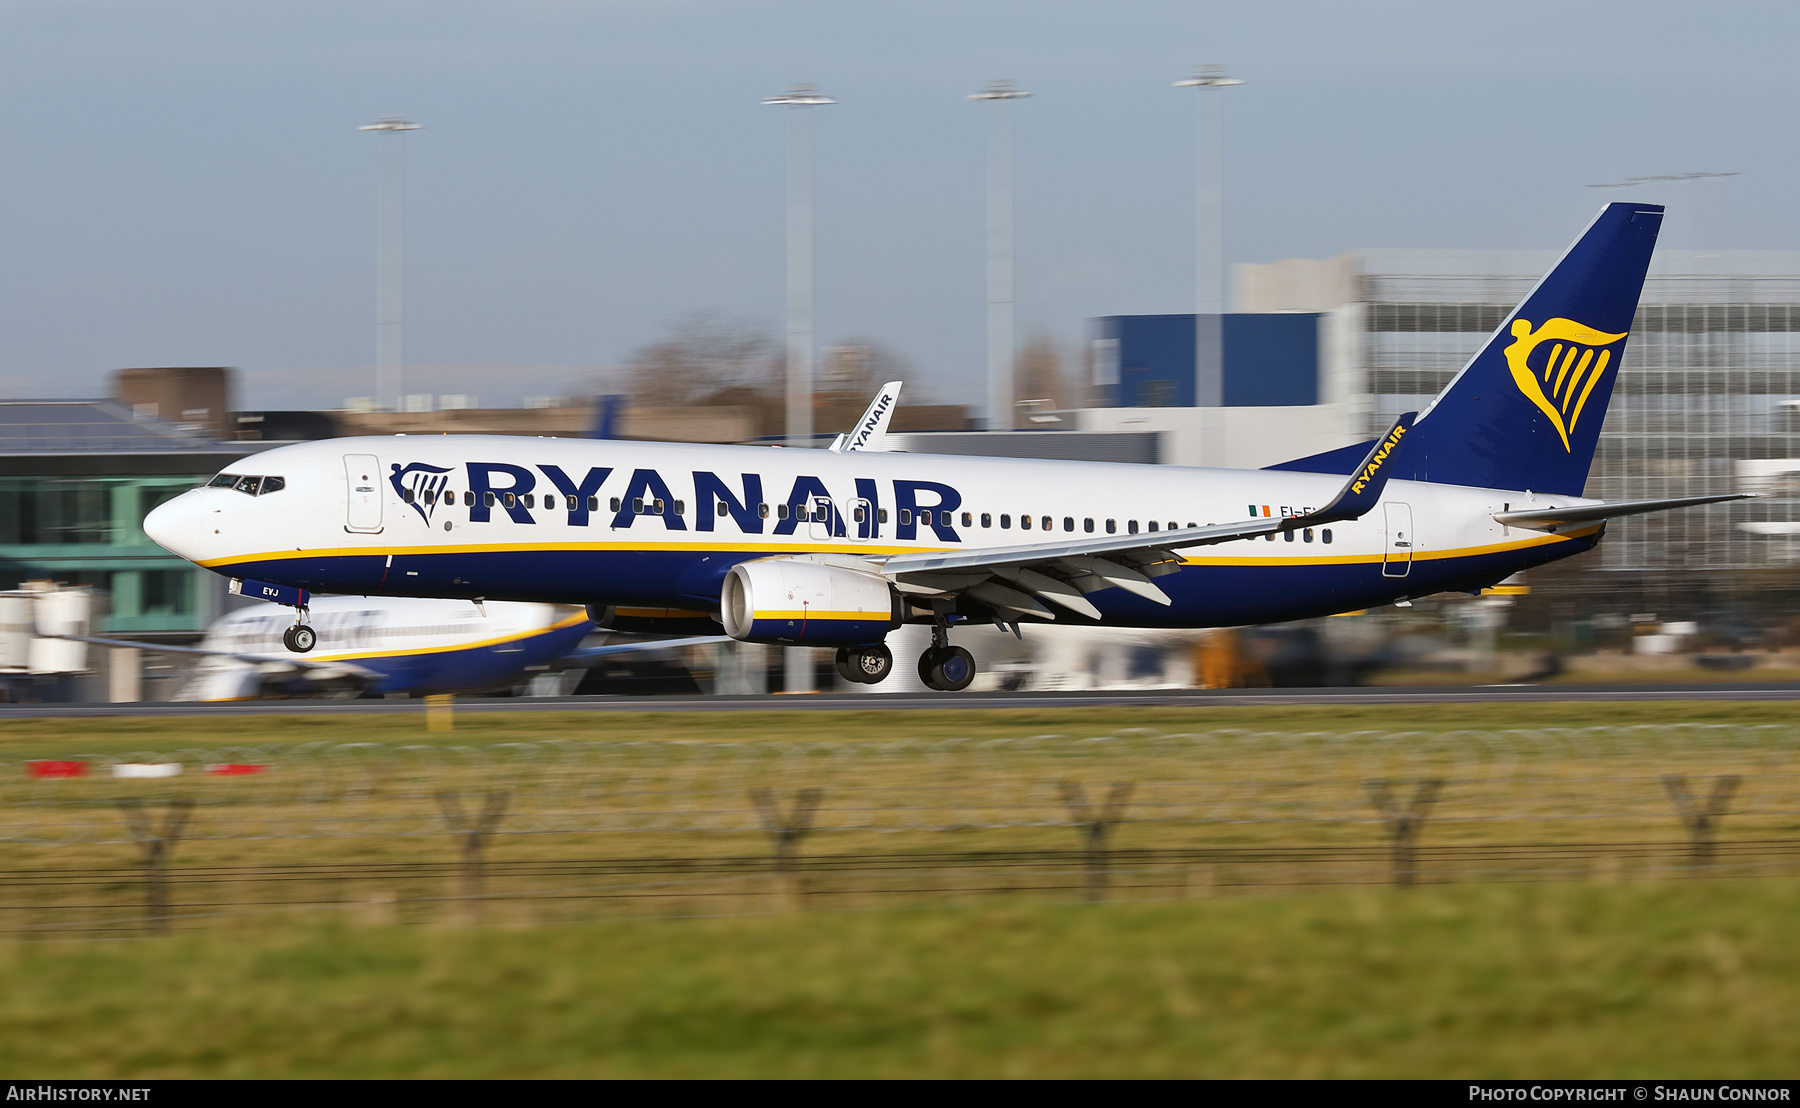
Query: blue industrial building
(1269, 360)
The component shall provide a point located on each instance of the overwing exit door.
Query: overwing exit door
(1396, 560)
(362, 476)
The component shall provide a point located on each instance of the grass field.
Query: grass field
(1575, 980)
(1603, 967)
(46, 738)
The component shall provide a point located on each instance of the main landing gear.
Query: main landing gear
(865, 665)
(944, 667)
(300, 638)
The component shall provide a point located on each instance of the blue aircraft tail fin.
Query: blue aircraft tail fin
(606, 416)
(1525, 413)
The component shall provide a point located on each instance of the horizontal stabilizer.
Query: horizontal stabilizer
(1541, 518)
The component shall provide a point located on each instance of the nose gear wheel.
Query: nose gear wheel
(300, 638)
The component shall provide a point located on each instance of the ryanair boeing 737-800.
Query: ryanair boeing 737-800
(838, 547)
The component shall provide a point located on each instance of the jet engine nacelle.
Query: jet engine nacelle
(778, 600)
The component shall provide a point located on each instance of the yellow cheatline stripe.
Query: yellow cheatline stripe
(1417, 555)
(755, 549)
(569, 621)
(860, 617)
(771, 550)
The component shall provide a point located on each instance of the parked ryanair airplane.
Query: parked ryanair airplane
(388, 645)
(838, 547)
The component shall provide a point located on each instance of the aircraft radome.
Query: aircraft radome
(838, 547)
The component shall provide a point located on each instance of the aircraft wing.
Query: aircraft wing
(1061, 572)
(591, 653)
(1548, 519)
(271, 665)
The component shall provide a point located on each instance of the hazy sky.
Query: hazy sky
(185, 184)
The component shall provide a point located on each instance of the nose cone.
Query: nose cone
(174, 526)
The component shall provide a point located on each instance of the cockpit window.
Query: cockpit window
(249, 486)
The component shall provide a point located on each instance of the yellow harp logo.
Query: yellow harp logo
(1561, 384)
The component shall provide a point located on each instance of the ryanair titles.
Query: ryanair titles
(1378, 458)
(525, 494)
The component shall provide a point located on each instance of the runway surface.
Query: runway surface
(833, 701)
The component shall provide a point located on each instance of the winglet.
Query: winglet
(1363, 491)
(870, 432)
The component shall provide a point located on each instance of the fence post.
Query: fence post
(1404, 826)
(1094, 827)
(474, 832)
(156, 843)
(1701, 821)
(787, 829)
(440, 712)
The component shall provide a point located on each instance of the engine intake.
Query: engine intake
(781, 601)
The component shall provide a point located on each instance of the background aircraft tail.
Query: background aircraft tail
(1525, 413)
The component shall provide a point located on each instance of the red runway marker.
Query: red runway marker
(56, 769)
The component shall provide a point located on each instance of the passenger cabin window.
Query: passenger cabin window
(1088, 526)
(1288, 535)
(1024, 523)
(593, 503)
(406, 495)
(1153, 525)
(468, 498)
(1131, 527)
(925, 518)
(1309, 534)
(723, 510)
(968, 520)
(1112, 526)
(615, 504)
(905, 517)
(781, 512)
(762, 511)
(1325, 535)
(529, 500)
(1005, 522)
(487, 499)
(881, 517)
(987, 520)
(1068, 523)
(511, 500)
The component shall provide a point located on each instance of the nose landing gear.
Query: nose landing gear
(300, 638)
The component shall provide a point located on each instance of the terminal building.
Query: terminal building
(1326, 352)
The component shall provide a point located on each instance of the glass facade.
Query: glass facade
(1707, 399)
(90, 531)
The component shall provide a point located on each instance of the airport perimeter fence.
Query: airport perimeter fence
(571, 829)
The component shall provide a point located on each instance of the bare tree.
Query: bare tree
(705, 357)
(1037, 374)
(857, 367)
